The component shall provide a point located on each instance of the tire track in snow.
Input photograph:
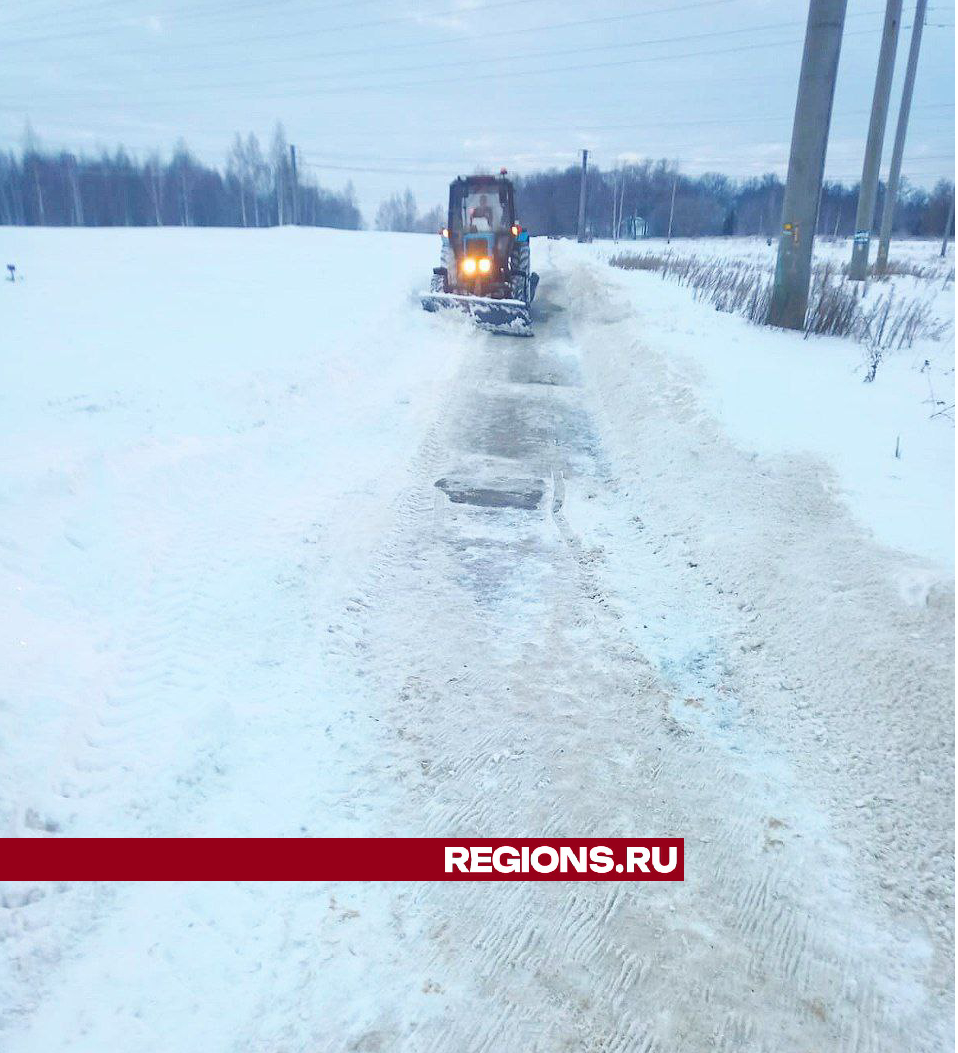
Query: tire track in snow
(521, 704)
(205, 693)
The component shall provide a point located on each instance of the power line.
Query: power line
(511, 58)
(347, 27)
(460, 12)
(346, 159)
(447, 166)
(517, 57)
(191, 13)
(494, 34)
(576, 67)
(290, 90)
(353, 161)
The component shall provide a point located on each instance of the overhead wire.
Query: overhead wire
(418, 17)
(291, 90)
(192, 12)
(512, 58)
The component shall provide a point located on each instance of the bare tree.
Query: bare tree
(398, 212)
(31, 158)
(73, 181)
(260, 175)
(237, 165)
(279, 156)
(182, 167)
(153, 173)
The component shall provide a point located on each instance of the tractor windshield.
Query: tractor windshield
(481, 213)
(481, 205)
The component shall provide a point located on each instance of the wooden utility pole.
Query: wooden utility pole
(675, 183)
(582, 181)
(806, 162)
(894, 171)
(868, 191)
(948, 223)
(615, 200)
(295, 191)
(618, 229)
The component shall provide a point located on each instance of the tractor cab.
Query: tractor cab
(481, 221)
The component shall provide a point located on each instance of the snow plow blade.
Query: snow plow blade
(495, 316)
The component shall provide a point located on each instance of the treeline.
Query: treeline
(548, 203)
(256, 189)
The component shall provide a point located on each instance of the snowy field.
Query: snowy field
(238, 604)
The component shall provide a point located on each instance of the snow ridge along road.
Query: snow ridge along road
(576, 608)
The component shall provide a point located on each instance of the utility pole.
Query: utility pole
(868, 191)
(618, 228)
(581, 227)
(292, 165)
(675, 183)
(948, 223)
(615, 200)
(806, 162)
(894, 172)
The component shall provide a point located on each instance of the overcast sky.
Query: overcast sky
(390, 93)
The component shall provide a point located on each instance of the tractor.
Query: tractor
(484, 265)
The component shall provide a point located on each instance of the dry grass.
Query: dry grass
(899, 269)
(836, 306)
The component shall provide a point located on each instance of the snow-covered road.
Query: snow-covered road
(388, 575)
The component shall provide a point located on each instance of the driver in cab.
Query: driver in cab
(481, 213)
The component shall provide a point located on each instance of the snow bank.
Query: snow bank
(777, 392)
(757, 593)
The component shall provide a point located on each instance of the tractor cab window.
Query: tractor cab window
(482, 213)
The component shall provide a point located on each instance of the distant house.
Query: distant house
(636, 227)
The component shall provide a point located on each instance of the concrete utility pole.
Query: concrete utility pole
(948, 223)
(894, 172)
(806, 162)
(581, 227)
(292, 165)
(675, 183)
(868, 191)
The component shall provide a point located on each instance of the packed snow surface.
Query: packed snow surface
(284, 555)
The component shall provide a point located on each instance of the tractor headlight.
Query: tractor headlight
(468, 265)
(485, 265)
